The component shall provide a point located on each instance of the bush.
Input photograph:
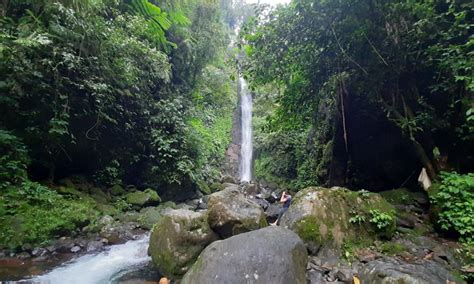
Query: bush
(34, 214)
(455, 200)
(13, 161)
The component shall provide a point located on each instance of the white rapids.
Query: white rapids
(99, 268)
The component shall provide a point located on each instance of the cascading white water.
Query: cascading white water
(246, 145)
(101, 267)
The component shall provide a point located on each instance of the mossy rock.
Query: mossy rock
(177, 240)
(71, 191)
(216, 186)
(324, 216)
(392, 248)
(140, 199)
(117, 190)
(99, 195)
(107, 209)
(149, 216)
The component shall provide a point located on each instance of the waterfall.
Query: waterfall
(246, 145)
(102, 267)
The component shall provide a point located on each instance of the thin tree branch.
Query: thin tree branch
(376, 51)
(345, 53)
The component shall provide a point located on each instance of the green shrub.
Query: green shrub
(380, 219)
(13, 160)
(455, 201)
(34, 214)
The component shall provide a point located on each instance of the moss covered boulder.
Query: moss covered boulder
(230, 213)
(177, 240)
(332, 217)
(117, 190)
(140, 199)
(149, 216)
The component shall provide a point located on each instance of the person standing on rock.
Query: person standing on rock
(286, 200)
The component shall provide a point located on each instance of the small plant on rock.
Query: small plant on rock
(380, 219)
(357, 218)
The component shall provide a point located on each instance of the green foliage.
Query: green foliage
(13, 161)
(357, 219)
(455, 200)
(210, 123)
(377, 213)
(409, 60)
(106, 88)
(122, 92)
(32, 213)
(380, 219)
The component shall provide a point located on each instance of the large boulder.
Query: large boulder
(329, 217)
(177, 239)
(149, 216)
(269, 255)
(230, 213)
(117, 190)
(391, 270)
(140, 199)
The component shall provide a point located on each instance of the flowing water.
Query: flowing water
(104, 267)
(247, 146)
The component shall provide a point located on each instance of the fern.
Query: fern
(160, 21)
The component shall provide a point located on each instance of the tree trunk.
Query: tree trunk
(424, 159)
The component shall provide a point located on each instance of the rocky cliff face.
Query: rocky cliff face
(232, 155)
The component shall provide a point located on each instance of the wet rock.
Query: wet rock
(39, 252)
(117, 233)
(75, 249)
(344, 275)
(230, 213)
(149, 216)
(250, 189)
(129, 217)
(230, 186)
(262, 202)
(93, 246)
(269, 255)
(117, 190)
(392, 270)
(105, 220)
(140, 199)
(446, 255)
(107, 209)
(216, 186)
(366, 255)
(192, 204)
(273, 210)
(321, 216)
(177, 239)
(99, 195)
(63, 245)
(406, 221)
(228, 179)
(315, 277)
(23, 255)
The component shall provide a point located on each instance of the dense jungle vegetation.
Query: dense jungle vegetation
(119, 92)
(122, 95)
(365, 94)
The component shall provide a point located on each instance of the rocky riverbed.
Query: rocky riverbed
(347, 235)
(327, 236)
